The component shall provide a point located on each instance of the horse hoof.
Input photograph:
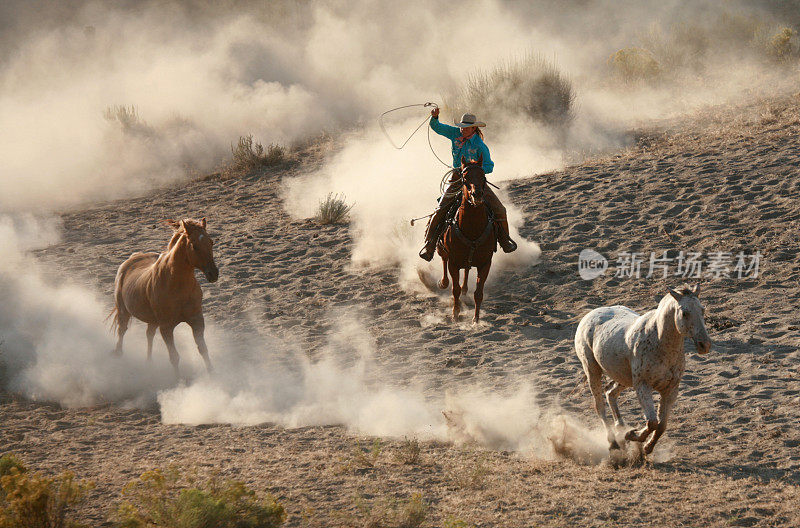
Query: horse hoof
(443, 285)
(614, 445)
(631, 436)
(475, 320)
(648, 449)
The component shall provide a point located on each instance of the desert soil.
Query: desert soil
(725, 180)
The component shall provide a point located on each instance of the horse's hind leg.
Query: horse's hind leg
(198, 328)
(169, 340)
(123, 318)
(612, 393)
(444, 283)
(594, 374)
(464, 287)
(151, 332)
(456, 291)
(479, 284)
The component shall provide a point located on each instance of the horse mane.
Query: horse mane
(178, 229)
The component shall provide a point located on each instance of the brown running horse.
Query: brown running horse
(161, 289)
(470, 241)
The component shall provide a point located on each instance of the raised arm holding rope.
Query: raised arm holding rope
(467, 143)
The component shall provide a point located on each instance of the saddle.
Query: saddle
(450, 221)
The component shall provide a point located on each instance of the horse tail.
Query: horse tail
(114, 316)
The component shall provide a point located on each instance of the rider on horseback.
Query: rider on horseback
(468, 143)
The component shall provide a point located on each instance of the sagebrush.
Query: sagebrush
(334, 209)
(31, 500)
(249, 154)
(531, 87)
(167, 499)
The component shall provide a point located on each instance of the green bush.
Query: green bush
(532, 87)
(30, 500)
(249, 154)
(8, 463)
(157, 500)
(333, 210)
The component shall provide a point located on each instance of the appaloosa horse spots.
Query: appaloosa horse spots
(643, 352)
(161, 289)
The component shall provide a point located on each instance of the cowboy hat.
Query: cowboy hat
(468, 120)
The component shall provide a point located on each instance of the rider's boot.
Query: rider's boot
(503, 238)
(427, 251)
(432, 234)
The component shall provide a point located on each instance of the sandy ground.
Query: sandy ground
(727, 180)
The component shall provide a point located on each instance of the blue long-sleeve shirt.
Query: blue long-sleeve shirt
(471, 149)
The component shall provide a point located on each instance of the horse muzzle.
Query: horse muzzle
(212, 274)
(703, 347)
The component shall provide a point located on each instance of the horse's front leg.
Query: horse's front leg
(464, 287)
(664, 407)
(198, 325)
(444, 283)
(480, 282)
(169, 340)
(645, 394)
(456, 290)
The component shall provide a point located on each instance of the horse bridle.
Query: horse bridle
(464, 182)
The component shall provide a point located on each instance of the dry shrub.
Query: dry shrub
(410, 452)
(249, 155)
(781, 46)
(452, 522)
(157, 498)
(127, 117)
(532, 87)
(634, 64)
(390, 513)
(31, 500)
(472, 476)
(333, 210)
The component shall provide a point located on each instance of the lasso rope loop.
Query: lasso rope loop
(425, 121)
(445, 182)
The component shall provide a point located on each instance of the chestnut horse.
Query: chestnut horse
(162, 291)
(470, 240)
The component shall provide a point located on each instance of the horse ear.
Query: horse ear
(463, 161)
(172, 224)
(203, 222)
(675, 295)
(696, 289)
(183, 225)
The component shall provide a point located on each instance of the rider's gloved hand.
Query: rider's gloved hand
(435, 112)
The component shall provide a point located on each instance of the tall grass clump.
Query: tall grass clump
(127, 117)
(249, 154)
(532, 87)
(157, 499)
(333, 210)
(31, 500)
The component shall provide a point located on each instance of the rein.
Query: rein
(473, 244)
